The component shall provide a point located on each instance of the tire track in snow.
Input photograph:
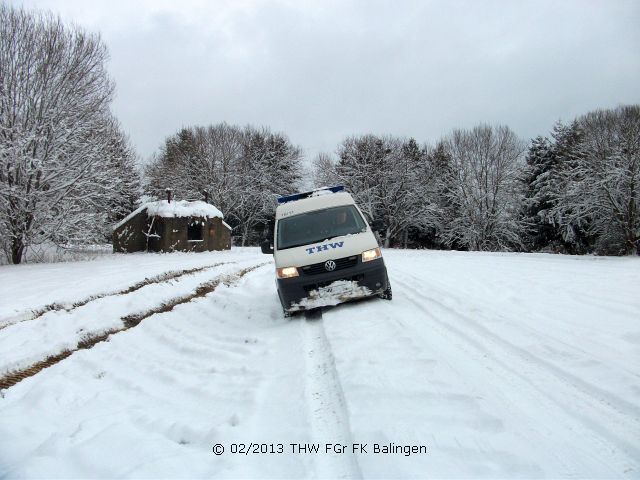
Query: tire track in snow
(520, 367)
(12, 378)
(69, 306)
(602, 396)
(455, 402)
(543, 335)
(328, 415)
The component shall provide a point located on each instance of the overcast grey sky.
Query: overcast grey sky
(320, 71)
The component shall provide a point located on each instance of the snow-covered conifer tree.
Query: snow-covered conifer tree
(124, 188)
(540, 179)
(563, 177)
(602, 193)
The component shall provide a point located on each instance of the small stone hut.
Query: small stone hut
(169, 226)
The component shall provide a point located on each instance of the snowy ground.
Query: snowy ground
(499, 365)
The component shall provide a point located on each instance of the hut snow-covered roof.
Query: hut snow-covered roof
(180, 208)
(177, 225)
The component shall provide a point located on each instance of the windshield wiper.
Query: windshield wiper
(322, 239)
(294, 246)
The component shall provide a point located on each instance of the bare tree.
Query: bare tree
(323, 171)
(270, 166)
(362, 168)
(242, 170)
(389, 178)
(54, 98)
(483, 195)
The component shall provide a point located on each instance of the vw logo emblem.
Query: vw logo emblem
(329, 265)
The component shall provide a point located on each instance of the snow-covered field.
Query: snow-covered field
(497, 365)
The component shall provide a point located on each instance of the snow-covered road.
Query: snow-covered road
(499, 365)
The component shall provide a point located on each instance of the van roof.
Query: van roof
(313, 203)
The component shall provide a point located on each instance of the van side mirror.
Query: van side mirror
(377, 225)
(266, 247)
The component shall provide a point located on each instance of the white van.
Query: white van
(325, 252)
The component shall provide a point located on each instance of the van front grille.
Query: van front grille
(341, 264)
(315, 286)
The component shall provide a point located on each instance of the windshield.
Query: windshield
(312, 227)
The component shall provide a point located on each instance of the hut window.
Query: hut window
(194, 231)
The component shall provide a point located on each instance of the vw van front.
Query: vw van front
(325, 252)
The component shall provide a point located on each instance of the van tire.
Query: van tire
(286, 313)
(386, 293)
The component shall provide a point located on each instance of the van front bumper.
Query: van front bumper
(370, 275)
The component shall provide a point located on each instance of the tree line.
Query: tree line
(484, 189)
(68, 172)
(576, 191)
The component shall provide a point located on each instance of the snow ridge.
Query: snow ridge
(326, 405)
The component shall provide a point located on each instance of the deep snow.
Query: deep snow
(502, 365)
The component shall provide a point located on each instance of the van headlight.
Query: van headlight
(286, 272)
(371, 255)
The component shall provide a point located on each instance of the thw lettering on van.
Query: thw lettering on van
(321, 248)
